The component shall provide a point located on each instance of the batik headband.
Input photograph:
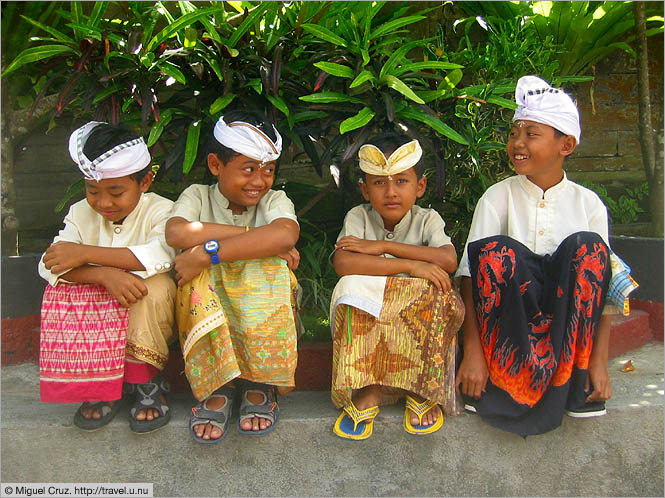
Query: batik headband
(538, 101)
(248, 140)
(372, 161)
(122, 160)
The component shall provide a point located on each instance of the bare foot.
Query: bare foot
(429, 418)
(367, 397)
(93, 412)
(255, 423)
(209, 431)
(149, 413)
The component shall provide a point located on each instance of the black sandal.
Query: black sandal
(148, 395)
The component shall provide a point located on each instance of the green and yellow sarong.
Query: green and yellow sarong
(239, 323)
(397, 332)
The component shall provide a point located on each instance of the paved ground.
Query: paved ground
(620, 454)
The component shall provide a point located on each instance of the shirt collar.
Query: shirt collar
(223, 202)
(535, 191)
(404, 222)
(131, 217)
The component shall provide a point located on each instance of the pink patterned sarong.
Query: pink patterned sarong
(82, 344)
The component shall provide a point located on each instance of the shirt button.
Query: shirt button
(167, 266)
(542, 204)
(542, 232)
(390, 235)
(117, 229)
(158, 267)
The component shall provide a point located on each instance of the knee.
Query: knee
(579, 239)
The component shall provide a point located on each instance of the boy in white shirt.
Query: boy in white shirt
(107, 313)
(535, 273)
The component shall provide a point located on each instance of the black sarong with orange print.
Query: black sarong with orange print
(537, 318)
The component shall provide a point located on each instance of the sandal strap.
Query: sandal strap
(419, 409)
(358, 416)
(148, 396)
(203, 415)
(266, 409)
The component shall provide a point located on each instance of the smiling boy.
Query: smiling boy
(237, 330)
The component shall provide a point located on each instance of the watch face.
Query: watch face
(211, 246)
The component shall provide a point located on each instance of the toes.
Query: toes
(140, 415)
(246, 425)
(199, 429)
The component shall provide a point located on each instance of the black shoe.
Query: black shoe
(469, 403)
(592, 409)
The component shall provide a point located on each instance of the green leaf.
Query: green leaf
(253, 16)
(172, 70)
(52, 31)
(97, 12)
(361, 119)
(159, 126)
(434, 123)
(279, 103)
(191, 35)
(335, 69)
(328, 97)
(221, 102)
(77, 17)
(500, 101)
(35, 54)
(362, 78)
(107, 91)
(86, 31)
(401, 87)
(176, 26)
(213, 63)
(255, 84)
(419, 66)
(397, 57)
(75, 188)
(309, 115)
(393, 25)
(191, 146)
(324, 34)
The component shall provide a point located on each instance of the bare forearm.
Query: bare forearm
(601, 343)
(443, 256)
(276, 238)
(86, 274)
(352, 263)
(470, 330)
(183, 234)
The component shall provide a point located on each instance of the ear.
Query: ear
(147, 181)
(568, 144)
(421, 186)
(364, 191)
(214, 164)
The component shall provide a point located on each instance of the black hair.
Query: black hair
(106, 136)
(390, 142)
(225, 154)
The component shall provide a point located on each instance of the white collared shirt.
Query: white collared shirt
(142, 232)
(207, 204)
(539, 219)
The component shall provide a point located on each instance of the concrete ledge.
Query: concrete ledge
(620, 454)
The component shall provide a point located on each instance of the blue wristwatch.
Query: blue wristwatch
(211, 247)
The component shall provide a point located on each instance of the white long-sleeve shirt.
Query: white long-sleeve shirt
(142, 232)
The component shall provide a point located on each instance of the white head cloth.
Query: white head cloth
(373, 162)
(248, 140)
(122, 160)
(538, 101)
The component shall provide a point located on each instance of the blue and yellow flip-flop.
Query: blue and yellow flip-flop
(355, 424)
(420, 409)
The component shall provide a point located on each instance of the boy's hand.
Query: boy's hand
(124, 286)
(189, 263)
(472, 374)
(354, 244)
(600, 380)
(433, 273)
(292, 258)
(64, 256)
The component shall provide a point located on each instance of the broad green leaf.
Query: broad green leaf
(107, 91)
(335, 69)
(191, 146)
(191, 35)
(97, 13)
(362, 77)
(279, 103)
(309, 115)
(86, 31)
(360, 119)
(53, 32)
(324, 34)
(365, 55)
(393, 25)
(429, 95)
(75, 188)
(419, 66)
(500, 101)
(159, 126)
(255, 84)
(77, 17)
(172, 70)
(221, 102)
(329, 97)
(176, 26)
(401, 87)
(397, 57)
(35, 54)
(213, 63)
(434, 123)
(251, 18)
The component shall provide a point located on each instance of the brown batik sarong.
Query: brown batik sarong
(398, 332)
